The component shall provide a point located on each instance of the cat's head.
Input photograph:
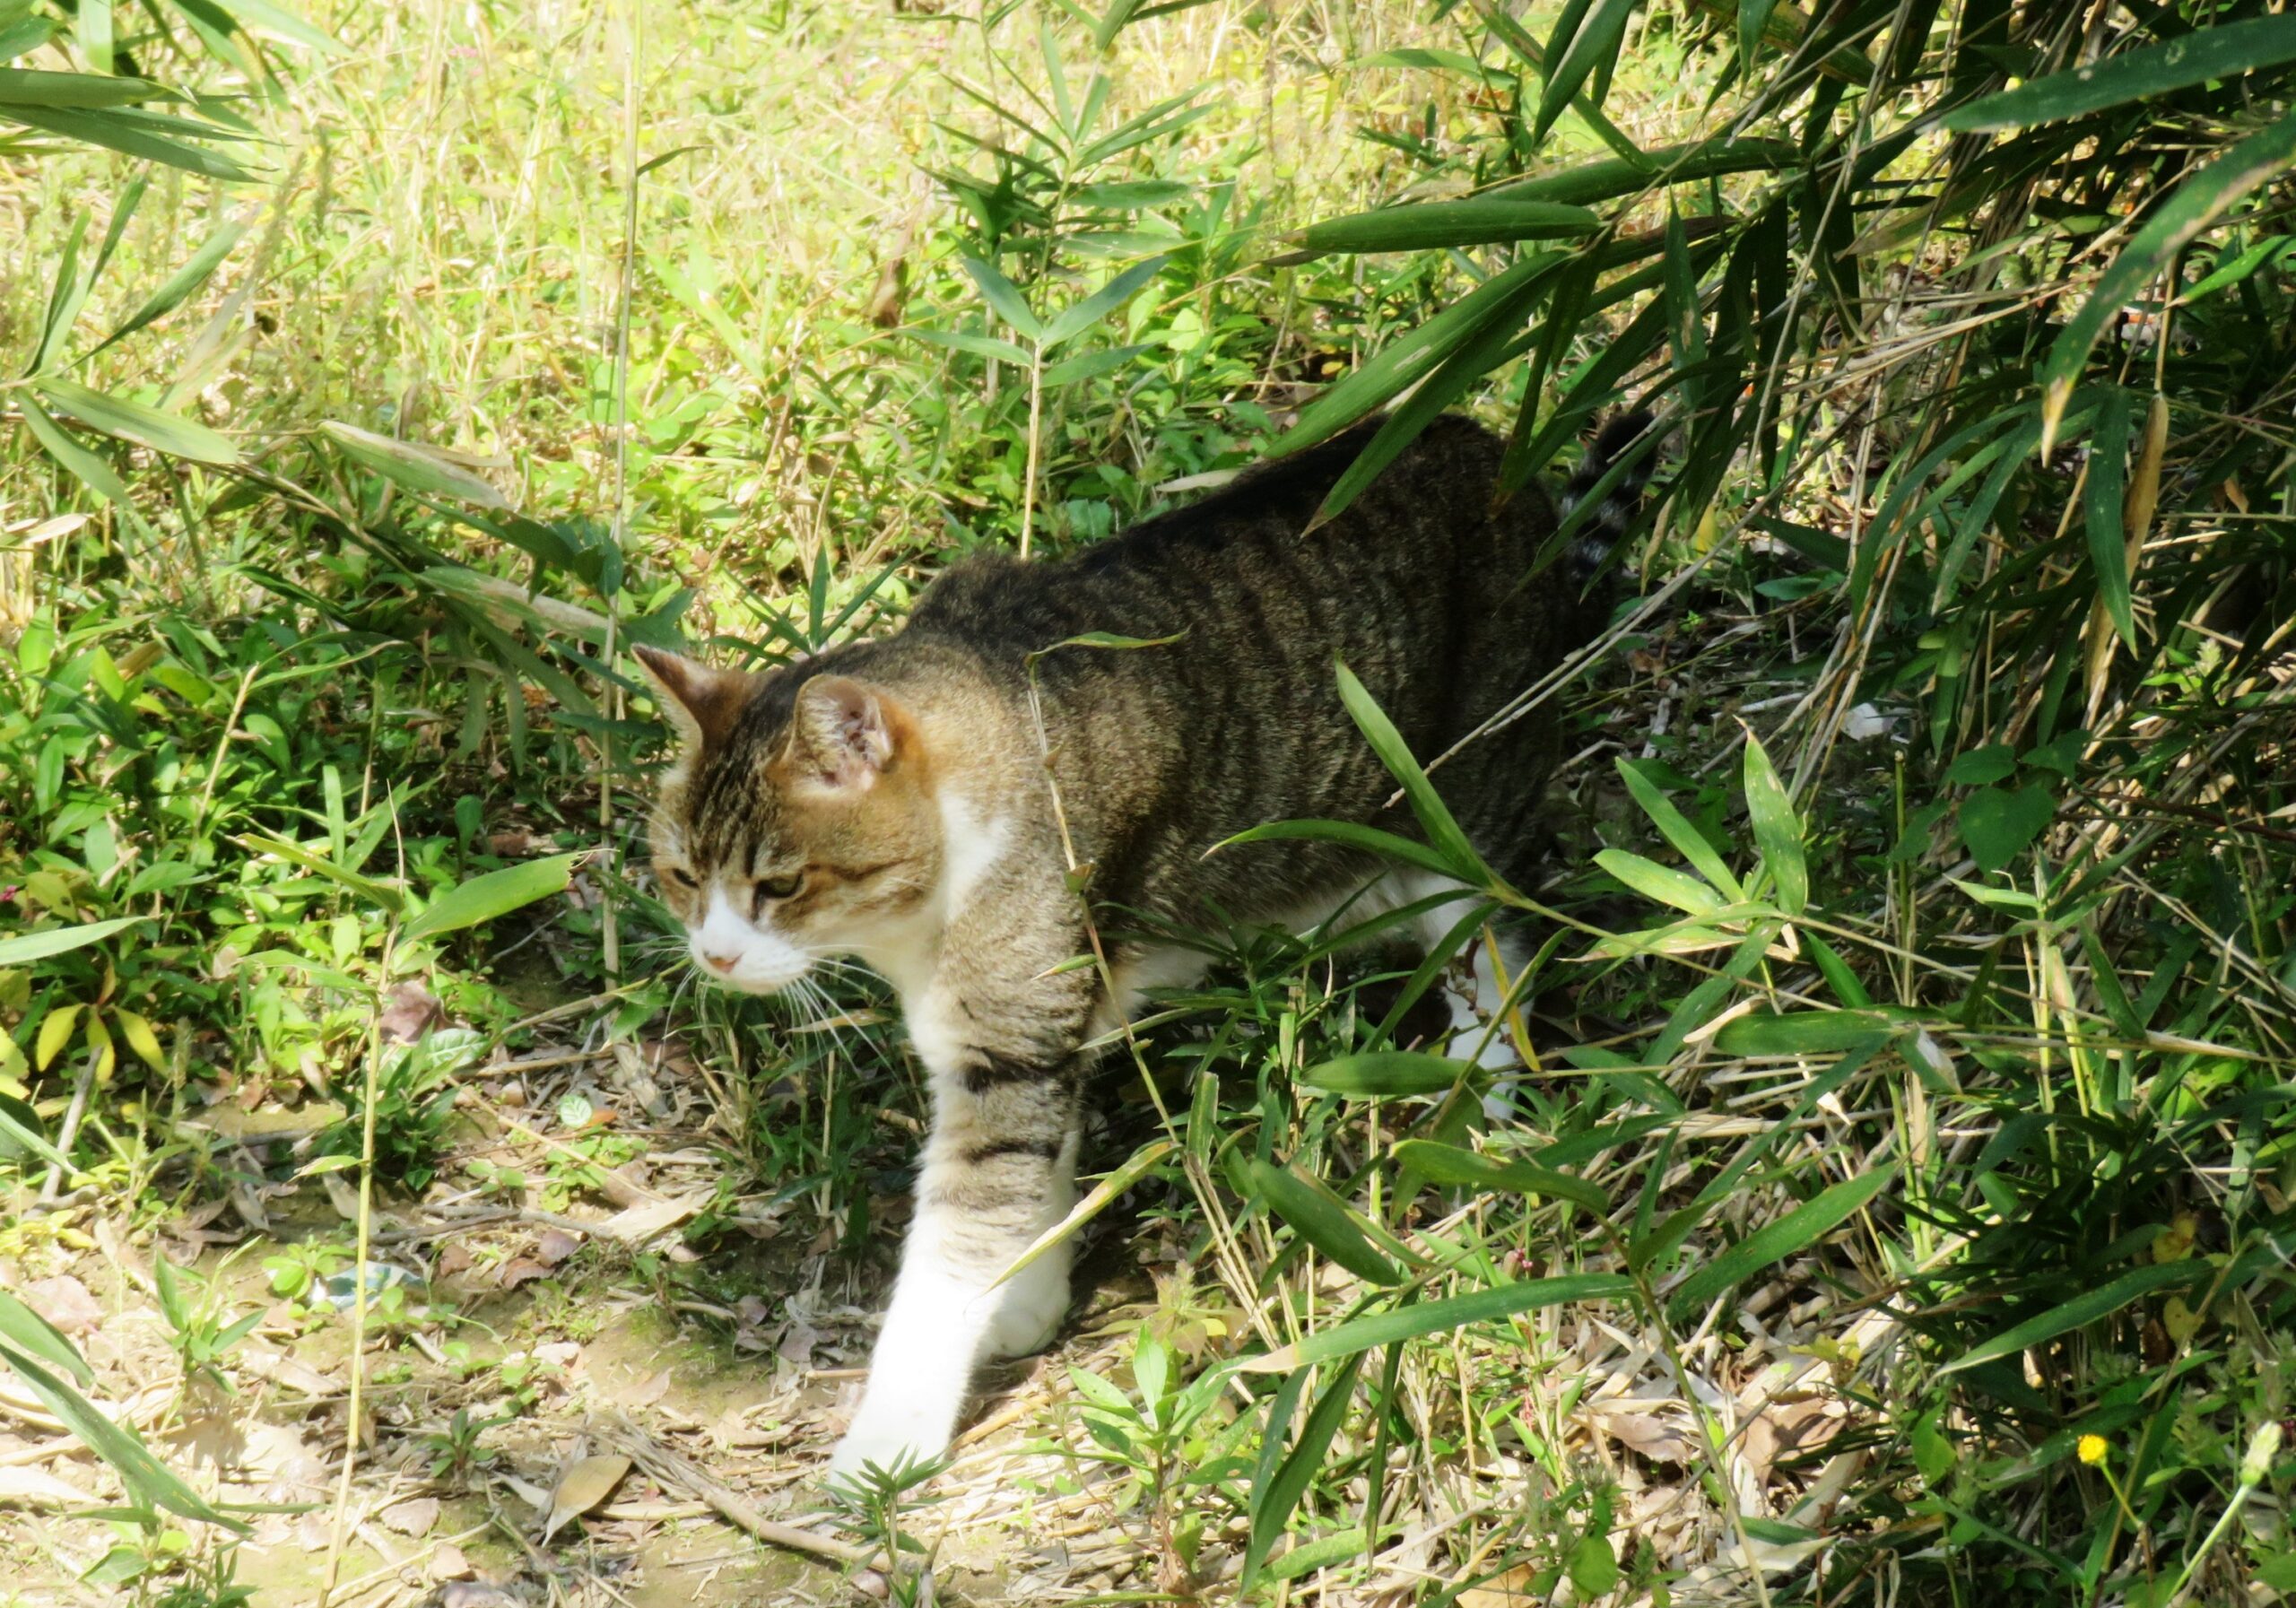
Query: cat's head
(798, 823)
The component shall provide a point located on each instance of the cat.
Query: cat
(910, 802)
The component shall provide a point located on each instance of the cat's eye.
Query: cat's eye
(770, 889)
(679, 877)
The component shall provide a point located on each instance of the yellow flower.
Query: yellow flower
(2092, 1449)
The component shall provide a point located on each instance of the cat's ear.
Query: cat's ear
(843, 735)
(700, 702)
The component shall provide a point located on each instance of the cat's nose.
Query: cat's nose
(720, 964)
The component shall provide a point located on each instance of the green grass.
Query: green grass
(1913, 1019)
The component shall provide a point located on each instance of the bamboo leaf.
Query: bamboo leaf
(1386, 1074)
(1801, 1032)
(1072, 320)
(1387, 845)
(1276, 1496)
(2196, 204)
(1594, 48)
(1319, 1216)
(417, 467)
(1438, 225)
(2084, 1309)
(28, 1331)
(1435, 1317)
(2226, 51)
(147, 1478)
(2104, 503)
(1791, 1234)
(182, 282)
(168, 433)
(1443, 832)
(85, 466)
(1465, 1169)
(1676, 829)
(1777, 829)
(482, 898)
(27, 947)
(1004, 297)
(1660, 882)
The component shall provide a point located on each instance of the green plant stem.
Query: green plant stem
(362, 1244)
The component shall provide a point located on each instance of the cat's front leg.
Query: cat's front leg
(999, 1171)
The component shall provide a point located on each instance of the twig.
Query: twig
(670, 1468)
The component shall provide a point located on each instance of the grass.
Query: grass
(1898, 1208)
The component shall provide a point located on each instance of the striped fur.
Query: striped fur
(897, 801)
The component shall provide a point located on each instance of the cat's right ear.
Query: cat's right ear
(700, 702)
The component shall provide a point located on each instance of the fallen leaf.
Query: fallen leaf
(518, 1270)
(474, 1594)
(456, 1258)
(65, 1302)
(646, 1392)
(448, 1563)
(414, 1012)
(636, 1224)
(558, 1353)
(37, 1487)
(1642, 1432)
(586, 1482)
(1510, 1590)
(556, 1246)
(412, 1517)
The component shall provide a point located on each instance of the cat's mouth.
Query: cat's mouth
(750, 973)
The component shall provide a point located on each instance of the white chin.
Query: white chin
(752, 983)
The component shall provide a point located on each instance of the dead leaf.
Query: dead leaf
(558, 1353)
(65, 1302)
(456, 1258)
(586, 1482)
(556, 1246)
(1645, 1433)
(636, 1225)
(414, 1012)
(412, 1517)
(646, 1392)
(37, 1487)
(474, 1594)
(448, 1563)
(1510, 1590)
(518, 1270)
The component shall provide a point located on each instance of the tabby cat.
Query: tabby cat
(898, 801)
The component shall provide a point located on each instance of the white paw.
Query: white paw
(889, 1437)
(1029, 1315)
(1477, 1038)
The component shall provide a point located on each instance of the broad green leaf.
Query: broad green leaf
(1979, 767)
(416, 467)
(168, 433)
(497, 894)
(1795, 1232)
(988, 346)
(1465, 1169)
(263, 17)
(2226, 51)
(85, 464)
(1436, 225)
(1319, 1216)
(1998, 825)
(1093, 1204)
(1659, 882)
(28, 1331)
(27, 947)
(123, 130)
(1443, 833)
(1368, 838)
(1594, 47)
(1687, 839)
(1434, 1318)
(1002, 295)
(19, 1132)
(95, 35)
(1079, 317)
(1274, 1497)
(2084, 1309)
(147, 1478)
(2196, 203)
(1386, 1074)
(72, 91)
(2103, 507)
(1801, 1032)
(1777, 829)
(1614, 177)
(182, 282)
(1593, 1567)
(55, 1033)
(1753, 19)
(382, 893)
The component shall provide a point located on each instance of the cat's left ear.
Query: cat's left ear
(700, 702)
(844, 734)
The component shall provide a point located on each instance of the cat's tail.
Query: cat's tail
(1604, 526)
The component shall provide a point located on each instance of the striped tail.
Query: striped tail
(1607, 524)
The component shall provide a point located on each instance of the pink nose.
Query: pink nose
(720, 964)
